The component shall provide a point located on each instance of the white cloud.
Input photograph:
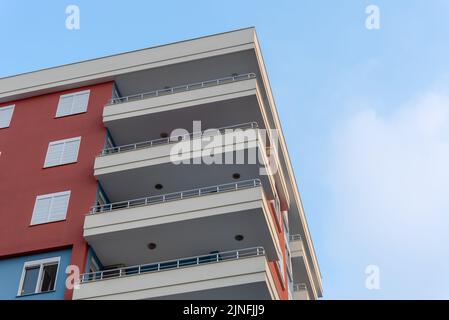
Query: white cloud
(390, 182)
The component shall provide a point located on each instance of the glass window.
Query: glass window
(39, 276)
(49, 277)
(30, 280)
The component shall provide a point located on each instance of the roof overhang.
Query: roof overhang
(107, 68)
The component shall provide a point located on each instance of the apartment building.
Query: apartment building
(126, 177)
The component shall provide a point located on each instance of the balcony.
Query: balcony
(182, 88)
(300, 292)
(189, 160)
(188, 222)
(214, 102)
(174, 139)
(300, 265)
(238, 274)
(185, 161)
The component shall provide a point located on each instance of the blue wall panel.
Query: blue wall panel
(11, 272)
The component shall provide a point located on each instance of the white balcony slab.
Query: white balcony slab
(189, 227)
(247, 278)
(184, 99)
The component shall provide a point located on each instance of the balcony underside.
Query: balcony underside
(175, 74)
(185, 227)
(140, 177)
(247, 278)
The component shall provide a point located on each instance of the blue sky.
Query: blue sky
(365, 114)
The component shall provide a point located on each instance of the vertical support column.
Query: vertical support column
(79, 258)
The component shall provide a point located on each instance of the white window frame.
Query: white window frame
(101, 199)
(12, 113)
(93, 264)
(64, 141)
(51, 195)
(71, 110)
(41, 263)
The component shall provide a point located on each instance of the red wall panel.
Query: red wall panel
(23, 147)
(280, 283)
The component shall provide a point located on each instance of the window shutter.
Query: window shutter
(62, 152)
(80, 102)
(59, 207)
(5, 116)
(50, 207)
(54, 154)
(64, 106)
(73, 103)
(70, 153)
(41, 210)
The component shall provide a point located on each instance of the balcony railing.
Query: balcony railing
(182, 88)
(176, 139)
(295, 237)
(173, 264)
(299, 287)
(176, 196)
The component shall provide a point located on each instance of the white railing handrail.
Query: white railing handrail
(172, 264)
(198, 192)
(182, 88)
(174, 139)
(299, 287)
(294, 237)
